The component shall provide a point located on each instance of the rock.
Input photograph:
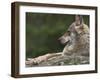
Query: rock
(64, 60)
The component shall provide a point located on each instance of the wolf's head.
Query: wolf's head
(74, 29)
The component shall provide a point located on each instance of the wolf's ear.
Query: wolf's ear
(79, 19)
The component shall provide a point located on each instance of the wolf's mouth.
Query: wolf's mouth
(63, 41)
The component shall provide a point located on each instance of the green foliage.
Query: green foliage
(43, 31)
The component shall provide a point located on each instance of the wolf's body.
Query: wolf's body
(78, 41)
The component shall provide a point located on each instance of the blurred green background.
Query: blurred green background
(43, 31)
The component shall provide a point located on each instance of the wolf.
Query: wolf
(76, 38)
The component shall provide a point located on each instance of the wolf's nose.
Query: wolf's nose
(60, 38)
